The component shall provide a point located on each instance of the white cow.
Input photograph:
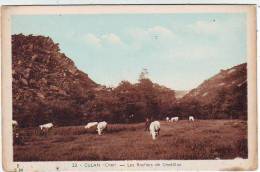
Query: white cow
(176, 118)
(46, 126)
(191, 118)
(14, 123)
(101, 126)
(167, 119)
(154, 129)
(91, 124)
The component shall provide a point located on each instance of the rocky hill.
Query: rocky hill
(222, 96)
(45, 81)
(48, 87)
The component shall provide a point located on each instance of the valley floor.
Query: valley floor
(182, 140)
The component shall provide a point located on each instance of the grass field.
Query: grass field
(202, 139)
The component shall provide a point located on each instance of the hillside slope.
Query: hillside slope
(47, 87)
(222, 96)
(45, 81)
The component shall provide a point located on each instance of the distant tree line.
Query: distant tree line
(130, 103)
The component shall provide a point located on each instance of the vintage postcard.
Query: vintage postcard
(129, 87)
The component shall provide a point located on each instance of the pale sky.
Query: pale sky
(180, 51)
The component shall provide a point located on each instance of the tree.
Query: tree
(143, 74)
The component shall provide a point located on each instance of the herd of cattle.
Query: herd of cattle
(176, 118)
(154, 127)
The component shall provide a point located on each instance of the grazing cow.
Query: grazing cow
(14, 123)
(91, 124)
(101, 126)
(174, 119)
(45, 127)
(191, 118)
(167, 119)
(155, 129)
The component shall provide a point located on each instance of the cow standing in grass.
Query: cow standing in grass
(46, 127)
(101, 126)
(174, 119)
(191, 118)
(16, 135)
(154, 129)
(14, 124)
